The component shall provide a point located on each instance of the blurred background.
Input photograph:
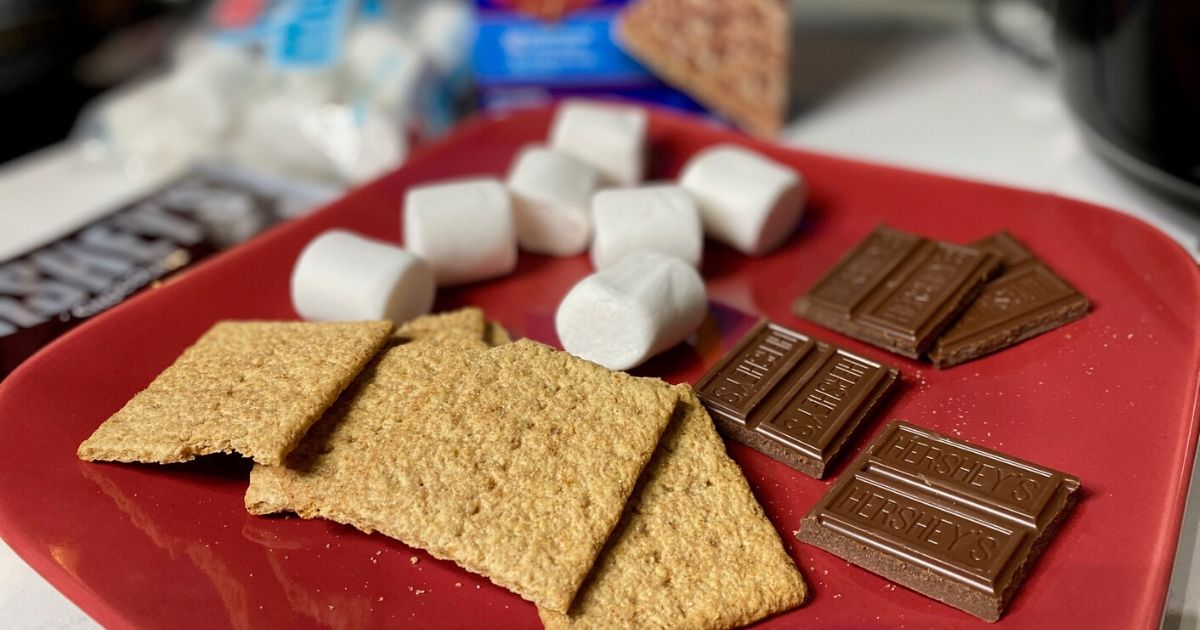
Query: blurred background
(141, 135)
(335, 93)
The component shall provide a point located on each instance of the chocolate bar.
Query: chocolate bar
(897, 290)
(793, 398)
(954, 521)
(48, 291)
(1026, 300)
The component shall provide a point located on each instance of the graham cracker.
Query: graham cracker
(734, 57)
(496, 335)
(515, 462)
(322, 477)
(467, 320)
(694, 549)
(248, 387)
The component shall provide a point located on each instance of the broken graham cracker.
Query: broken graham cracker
(897, 290)
(515, 462)
(949, 519)
(248, 387)
(732, 56)
(324, 475)
(694, 549)
(316, 474)
(1025, 300)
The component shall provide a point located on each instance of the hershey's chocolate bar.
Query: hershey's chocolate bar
(1026, 300)
(957, 522)
(897, 290)
(791, 397)
(50, 290)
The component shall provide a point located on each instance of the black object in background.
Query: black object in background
(41, 45)
(1131, 73)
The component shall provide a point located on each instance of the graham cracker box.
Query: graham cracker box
(532, 52)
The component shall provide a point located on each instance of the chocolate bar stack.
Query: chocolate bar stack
(952, 303)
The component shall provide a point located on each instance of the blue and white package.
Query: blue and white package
(525, 57)
(309, 33)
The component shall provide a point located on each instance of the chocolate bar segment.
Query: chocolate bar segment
(954, 521)
(897, 290)
(791, 397)
(1026, 300)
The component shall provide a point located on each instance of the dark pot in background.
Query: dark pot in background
(1131, 74)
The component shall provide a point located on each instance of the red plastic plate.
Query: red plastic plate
(1111, 398)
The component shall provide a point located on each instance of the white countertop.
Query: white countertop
(952, 105)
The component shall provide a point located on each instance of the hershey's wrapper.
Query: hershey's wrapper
(47, 291)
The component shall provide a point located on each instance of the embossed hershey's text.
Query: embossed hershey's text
(818, 410)
(755, 369)
(1005, 483)
(963, 545)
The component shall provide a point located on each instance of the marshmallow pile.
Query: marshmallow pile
(581, 192)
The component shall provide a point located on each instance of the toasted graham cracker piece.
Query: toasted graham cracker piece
(514, 462)
(694, 549)
(248, 387)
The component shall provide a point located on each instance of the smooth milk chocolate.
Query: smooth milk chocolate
(791, 397)
(897, 290)
(1026, 300)
(954, 521)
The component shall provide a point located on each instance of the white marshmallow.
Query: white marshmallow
(341, 276)
(745, 200)
(464, 229)
(660, 218)
(623, 315)
(610, 137)
(550, 193)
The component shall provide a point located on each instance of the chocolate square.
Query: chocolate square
(897, 290)
(951, 520)
(791, 397)
(1025, 300)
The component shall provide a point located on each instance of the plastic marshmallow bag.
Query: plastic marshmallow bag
(327, 92)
